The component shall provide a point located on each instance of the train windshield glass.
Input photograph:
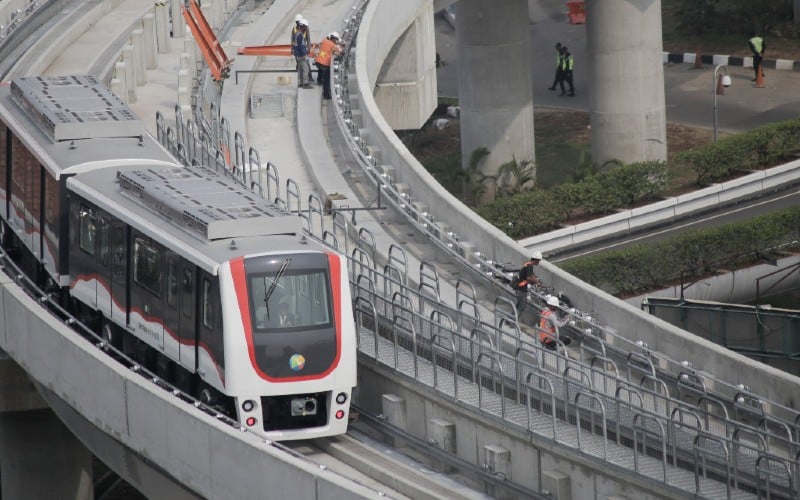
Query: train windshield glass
(290, 299)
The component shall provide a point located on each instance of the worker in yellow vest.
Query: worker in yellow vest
(327, 49)
(757, 47)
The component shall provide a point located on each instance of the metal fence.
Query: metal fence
(615, 399)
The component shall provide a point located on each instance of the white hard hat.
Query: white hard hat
(298, 18)
(302, 22)
(536, 255)
(553, 301)
(334, 34)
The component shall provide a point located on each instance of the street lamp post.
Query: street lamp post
(719, 84)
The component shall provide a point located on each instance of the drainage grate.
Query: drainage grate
(267, 105)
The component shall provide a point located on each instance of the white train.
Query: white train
(203, 282)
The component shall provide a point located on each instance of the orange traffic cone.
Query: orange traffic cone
(698, 60)
(760, 77)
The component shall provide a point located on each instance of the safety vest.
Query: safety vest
(295, 31)
(326, 49)
(547, 326)
(758, 44)
(567, 62)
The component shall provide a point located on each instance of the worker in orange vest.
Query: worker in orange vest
(549, 323)
(327, 49)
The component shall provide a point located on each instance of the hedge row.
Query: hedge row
(650, 266)
(538, 211)
(757, 148)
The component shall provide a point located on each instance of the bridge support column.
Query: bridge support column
(406, 91)
(39, 456)
(626, 80)
(495, 88)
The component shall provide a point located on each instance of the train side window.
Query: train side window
(86, 229)
(172, 282)
(147, 266)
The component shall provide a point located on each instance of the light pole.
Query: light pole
(718, 87)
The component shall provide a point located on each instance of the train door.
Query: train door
(104, 299)
(187, 329)
(171, 303)
(84, 258)
(119, 271)
(147, 289)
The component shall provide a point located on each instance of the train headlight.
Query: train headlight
(251, 421)
(248, 405)
(341, 398)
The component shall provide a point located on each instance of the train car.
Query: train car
(204, 282)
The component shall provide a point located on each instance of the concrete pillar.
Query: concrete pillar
(40, 458)
(138, 56)
(495, 87)
(121, 75)
(406, 89)
(149, 40)
(497, 459)
(626, 80)
(556, 484)
(443, 434)
(393, 408)
(162, 26)
(130, 73)
(178, 22)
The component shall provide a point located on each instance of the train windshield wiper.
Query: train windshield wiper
(274, 283)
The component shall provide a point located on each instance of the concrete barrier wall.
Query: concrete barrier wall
(667, 210)
(381, 18)
(209, 458)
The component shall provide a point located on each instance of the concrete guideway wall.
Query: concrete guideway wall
(160, 427)
(383, 17)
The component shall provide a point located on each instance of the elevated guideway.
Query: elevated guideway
(419, 333)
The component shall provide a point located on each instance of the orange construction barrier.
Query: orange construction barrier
(698, 59)
(760, 77)
(576, 12)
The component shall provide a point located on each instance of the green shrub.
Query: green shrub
(648, 266)
(758, 148)
(525, 214)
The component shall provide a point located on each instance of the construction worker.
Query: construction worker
(549, 323)
(559, 73)
(525, 277)
(327, 49)
(567, 63)
(296, 29)
(757, 47)
(300, 51)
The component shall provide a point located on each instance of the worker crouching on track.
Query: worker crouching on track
(549, 323)
(525, 277)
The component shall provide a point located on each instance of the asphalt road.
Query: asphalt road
(689, 92)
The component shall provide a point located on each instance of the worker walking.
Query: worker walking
(300, 51)
(557, 78)
(567, 63)
(757, 47)
(524, 277)
(327, 49)
(549, 323)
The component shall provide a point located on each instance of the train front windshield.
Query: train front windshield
(288, 295)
